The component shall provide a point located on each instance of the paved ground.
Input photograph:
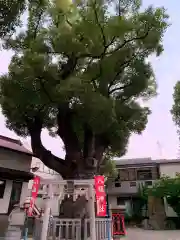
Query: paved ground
(139, 234)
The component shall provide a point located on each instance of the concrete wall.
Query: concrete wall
(126, 187)
(113, 203)
(43, 171)
(4, 202)
(127, 207)
(24, 192)
(169, 211)
(169, 169)
(13, 160)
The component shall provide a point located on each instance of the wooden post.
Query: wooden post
(47, 214)
(92, 213)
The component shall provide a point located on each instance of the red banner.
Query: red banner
(100, 196)
(35, 188)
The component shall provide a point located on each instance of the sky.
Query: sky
(159, 139)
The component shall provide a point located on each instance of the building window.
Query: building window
(117, 184)
(132, 174)
(16, 191)
(148, 183)
(144, 174)
(123, 175)
(2, 187)
(120, 201)
(132, 184)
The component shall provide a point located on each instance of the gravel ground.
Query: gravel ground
(139, 234)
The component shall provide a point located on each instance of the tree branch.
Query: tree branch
(68, 67)
(116, 48)
(111, 52)
(51, 161)
(45, 90)
(128, 41)
(124, 64)
(120, 88)
(98, 23)
(39, 12)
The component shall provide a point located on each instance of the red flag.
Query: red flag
(100, 196)
(35, 188)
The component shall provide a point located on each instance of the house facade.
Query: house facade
(15, 164)
(133, 173)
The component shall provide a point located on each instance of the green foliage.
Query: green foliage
(11, 11)
(168, 188)
(176, 106)
(175, 111)
(87, 60)
(108, 167)
(143, 193)
(140, 203)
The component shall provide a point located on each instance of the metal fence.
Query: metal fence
(74, 229)
(65, 229)
(103, 229)
(38, 229)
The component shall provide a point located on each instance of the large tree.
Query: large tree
(81, 70)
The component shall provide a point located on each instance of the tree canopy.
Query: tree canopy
(11, 11)
(80, 71)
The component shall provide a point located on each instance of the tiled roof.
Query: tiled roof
(144, 161)
(13, 144)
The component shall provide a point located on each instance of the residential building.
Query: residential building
(45, 173)
(132, 174)
(15, 164)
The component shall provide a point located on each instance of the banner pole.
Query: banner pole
(108, 215)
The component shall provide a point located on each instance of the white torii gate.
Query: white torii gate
(87, 184)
